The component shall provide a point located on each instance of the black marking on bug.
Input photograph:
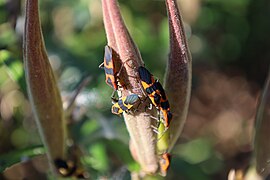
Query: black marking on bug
(145, 75)
(108, 54)
(121, 105)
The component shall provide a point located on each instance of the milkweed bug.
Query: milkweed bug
(109, 68)
(163, 103)
(164, 163)
(148, 81)
(69, 169)
(112, 71)
(125, 103)
(156, 94)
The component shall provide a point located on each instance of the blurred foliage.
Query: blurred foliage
(229, 43)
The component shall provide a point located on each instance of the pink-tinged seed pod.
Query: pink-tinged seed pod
(42, 88)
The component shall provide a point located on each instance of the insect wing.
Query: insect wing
(109, 68)
(125, 103)
(122, 105)
(167, 116)
(110, 82)
(145, 75)
(157, 99)
(158, 87)
(107, 55)
(149, 90)
(165, 105)
(131, 99)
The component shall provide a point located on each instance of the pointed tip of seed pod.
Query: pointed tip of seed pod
(178, 73)
(117, 34)
(42, 88)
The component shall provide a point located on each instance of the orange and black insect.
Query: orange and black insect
(109, 68)
(147, 81)
(125, 103)
(164, 103)
(156, 94)
(69, 169)
(164, 163)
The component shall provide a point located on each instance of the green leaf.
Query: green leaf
(11, 158)
(14, 66)
(122, 152)
(99, 159)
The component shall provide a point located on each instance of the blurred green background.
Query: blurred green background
(229, 42)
